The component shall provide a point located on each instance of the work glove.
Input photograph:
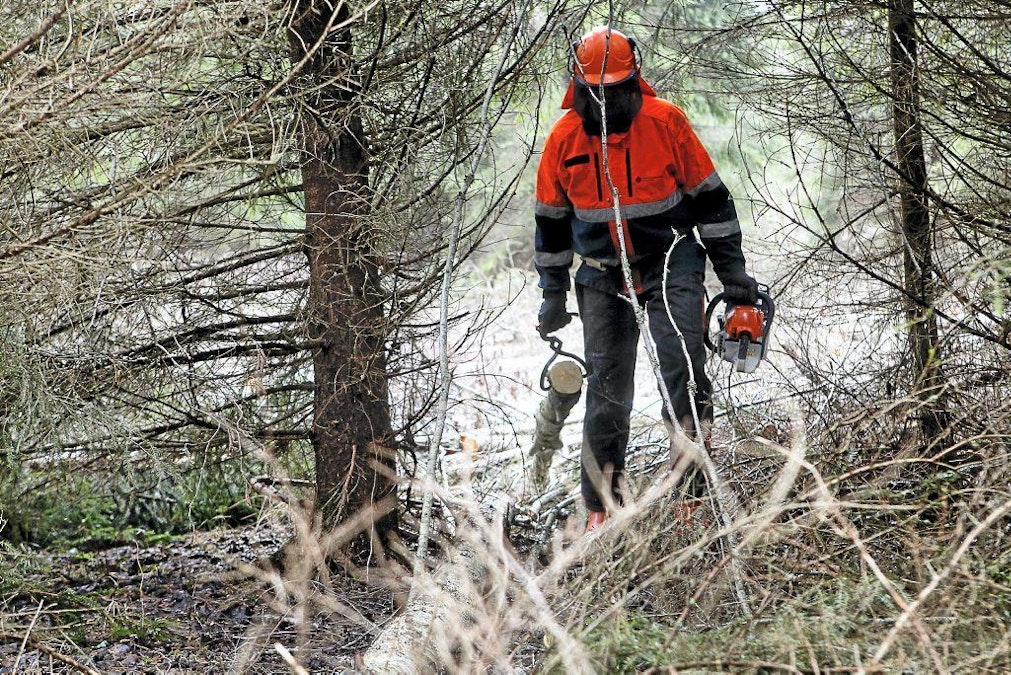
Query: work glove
(552, 316)
(740, 289)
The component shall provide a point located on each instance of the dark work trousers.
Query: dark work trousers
(610, 339)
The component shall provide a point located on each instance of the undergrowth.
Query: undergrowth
(824, 565)
(855, 562)
(110, 503)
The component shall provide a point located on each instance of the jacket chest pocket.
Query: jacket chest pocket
(656, 184)
(585, 183)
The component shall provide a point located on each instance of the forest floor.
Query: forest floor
(203, 602)
(194, 604)
(206, 602)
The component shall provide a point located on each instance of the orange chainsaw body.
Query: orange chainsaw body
(744, 331)
(744, 320)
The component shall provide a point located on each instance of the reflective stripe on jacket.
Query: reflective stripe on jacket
(665, 181)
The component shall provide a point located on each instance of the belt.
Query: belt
(606, 264)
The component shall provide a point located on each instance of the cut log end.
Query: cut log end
(566, 377)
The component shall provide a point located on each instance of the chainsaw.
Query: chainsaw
(744, 330)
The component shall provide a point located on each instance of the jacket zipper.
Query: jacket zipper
(596, 170)
(628, 169)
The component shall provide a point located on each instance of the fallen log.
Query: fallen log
(566, 385)
(408, 644)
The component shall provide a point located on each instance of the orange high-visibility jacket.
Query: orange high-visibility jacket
(665, 180)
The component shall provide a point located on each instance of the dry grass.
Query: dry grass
(888, 572)
(871, 567)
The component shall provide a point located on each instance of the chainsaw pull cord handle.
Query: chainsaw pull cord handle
(765, 303)
(742, 351)
(556, 347)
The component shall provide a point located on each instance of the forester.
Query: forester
(667, 189)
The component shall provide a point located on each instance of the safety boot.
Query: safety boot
(594, 519)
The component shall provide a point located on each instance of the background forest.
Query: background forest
(269, 367)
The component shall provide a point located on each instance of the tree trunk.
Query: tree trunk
(346, 321)
(920, 278)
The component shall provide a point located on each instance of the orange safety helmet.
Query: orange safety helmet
(603, 56)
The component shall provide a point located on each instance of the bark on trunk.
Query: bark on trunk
(346, 320)
(917, 229)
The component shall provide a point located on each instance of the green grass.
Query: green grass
(98, 508)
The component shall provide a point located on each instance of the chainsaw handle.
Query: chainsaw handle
(767, 306)
(708, 317)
